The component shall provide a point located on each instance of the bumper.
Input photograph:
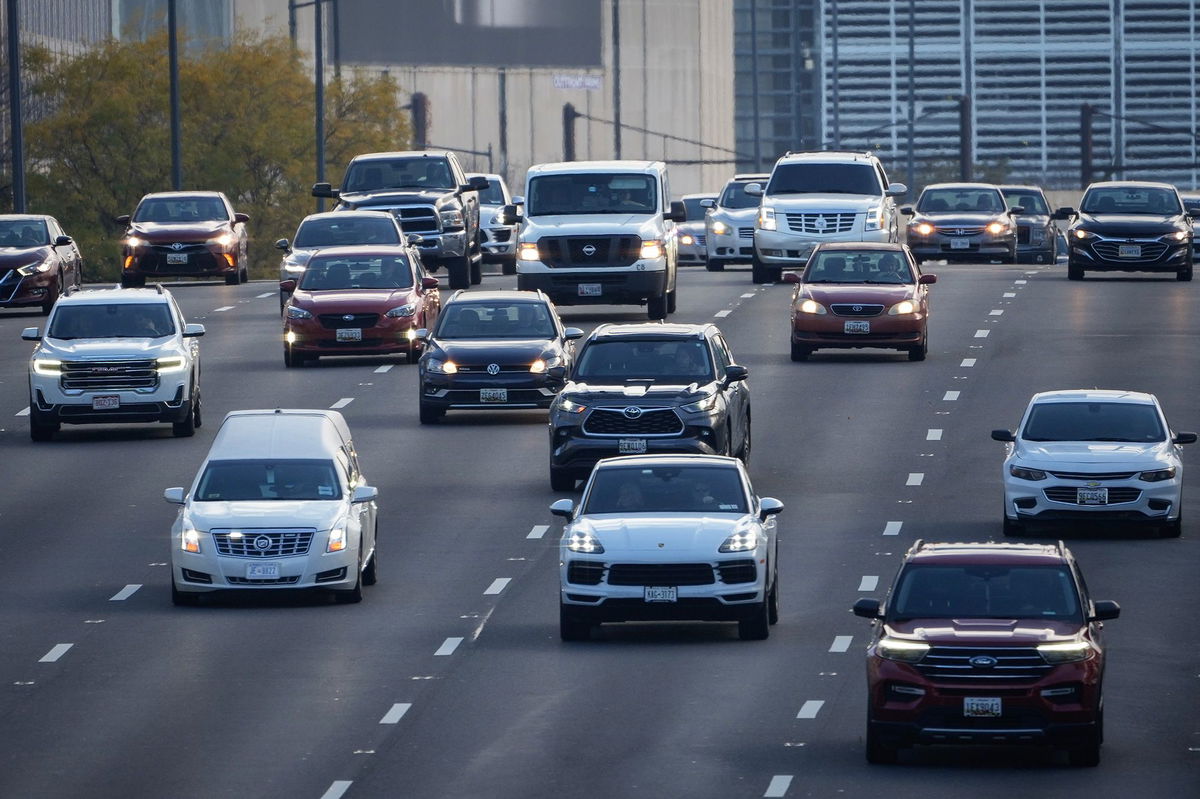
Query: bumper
(169, 403)
(21, 292)
(695, 254)
(1171, 260)
(615, 603)
(309, 337)
(885, 331)
(455, 391)
(782, 248)
(499, 245)
(204, 262)
(1027, 501)
(979, 247)
(438, 247)
(730, 246)
(580, 453)
(626, 285)
(205, 573)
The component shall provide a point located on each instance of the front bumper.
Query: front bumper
(1055, 499)
(207, 571)
(18, 292)
(168, 402)
(624, 285)
(499, 245)
(199, 260)
(526, 390)
(310, 337)
(1163, 258)
(718, 601)
(978, 247)
(829, 330)
(436, 248)
(570, 449)
(782, 247)
(694, 254)
(736, 245)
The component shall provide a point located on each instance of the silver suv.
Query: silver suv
(820, 197)
(730, 223)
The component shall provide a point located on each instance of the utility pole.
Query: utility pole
(616, 57)
(1085, 145)
(837, 126)
(754, 84)
(568, 121)
(173, 58)
(319, 24)
(420, 120)
(912, 91)
(14, 106)
(503, 98)
(965, 153)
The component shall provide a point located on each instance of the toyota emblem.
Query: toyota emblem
(493, 368)
(176, 246)
(262, 543)
(589, 250)
(632, 412)
(983, 661)
(856, 308)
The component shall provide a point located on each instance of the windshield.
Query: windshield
(119, 320)
(415, 172)
(181, 210)
(556, 195)
(864, 266)
(805, 178)
(1093, 421)
(1031, 201)
(489, 320)
(683, 360)
(963, 201)
(336, 273)
(735, 195)
(666, 489)
(348, 230)
(252, 480)
(994, 592)
(695, 211)
(23, 233)
(1149, 200)
(492, 195)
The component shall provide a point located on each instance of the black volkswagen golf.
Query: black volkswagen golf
(1127, 226)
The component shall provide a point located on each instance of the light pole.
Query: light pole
(754, 84)
(319, 49)
(14, 105)
(912, 90)
(837, 127)
(173, 59)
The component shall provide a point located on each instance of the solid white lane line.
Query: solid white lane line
(892, 528)
(1010, 294)
(982, 333)
(810, 709)
(125, 592)
(722, 314)
(933, 434)
(995, 312)
(24, 411)
(841, 643)
(868, 583)
(967, 363)
(747, 296)
(338, 789)
(342, 403)
(538, 530)
(497, 585)
(915, 478)
(54, 654)
(950, 396)
(396, 713)
(264, 296)
(779, 785)
(387, 367)
(448, 647)
(223, 308)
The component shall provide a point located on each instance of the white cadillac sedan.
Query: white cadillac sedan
(1092, 455)
(664, 537)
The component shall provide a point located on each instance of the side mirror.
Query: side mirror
(429, 282)
(1066, 212)
(421, 334)
(907, 210)
(31, 334)
(241, 218)
(1104, 609)
(1184, 438)
(768, 506)
(792, 277)
(174, 495)
(324, 190)
(754, 189)
(563, 507)
(573, 333)
(557, 373)
(896, 190)
(518, 200)
(288, 285)
(123, 219)
(867, 608)
(62, 241)
(927, 279)
(509, 214)
(415, 239)
(364, 494)
(708, 203)
(477, 183)
(193, 331)
(1003, 435)
(283, 244)
(1016, 210)
(678, 212)
(735, 373)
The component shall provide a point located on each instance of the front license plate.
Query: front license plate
(1091, 496)
(1129, 251)
(589, 290)
(960, 244)
(858, 327)
(631, 446)
(661, 593)
(106, 402)
(177, 258)
(349, 334)
(493, 395)
(262, 571)
(981, 707)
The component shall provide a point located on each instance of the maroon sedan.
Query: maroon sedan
(184, 234)
(860, 294)
(358, 301)
(38, 262)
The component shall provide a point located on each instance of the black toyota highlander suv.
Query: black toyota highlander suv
(648, 388)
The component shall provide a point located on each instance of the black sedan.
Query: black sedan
(1127, 226)
(1191, 204)
(37, 261)
(1037, 235)
(962, 222)
(493, 350)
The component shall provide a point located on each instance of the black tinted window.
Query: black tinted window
(1000, 592)
(336, 273)
(119, 320)
(825, 179)
(695, 211)
(684, 360)
(465, 320)
(417, 172)
(23, 233)
(1130, 200)
(735, 195)
(352, 230)
(181, 210)
(251, 480)
(1093, 421)
(667, 489)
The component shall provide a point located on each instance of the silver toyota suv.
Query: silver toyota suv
(820, 197)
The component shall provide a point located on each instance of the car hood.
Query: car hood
(649, 225)
(671, 534)
(103, 349)
(248, 515)
(353, 300)
(960, 219)
(1038, 220)
(1132, 225)
(176, 231)
(1104, 455)
(487, 350)
(829, 203)
(695, 226)
(389, 197)
(857, 293)
(653, 394)
(984, 631)
(735, 216)
(13, 257)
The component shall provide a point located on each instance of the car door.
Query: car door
(736, 395)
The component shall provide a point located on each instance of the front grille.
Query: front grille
(584, 572)
(1023, 234)
(333, 321)
(582, 251)
(500, 234)
(701, 239)
(199, 259)
(1116, 495)
(821, 224)
(482, 368)
(745, 233)
(272, 581)
(651, 422)
(262, 543)
(417, 218)
(109, 375)
(1110, 251)
(856, 309)
(960, 231)
(1093, 475)
(9, 285)
(737, 571)
(1018, 663)
(660, 574)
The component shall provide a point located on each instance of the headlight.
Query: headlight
(294, 312)
(47, 366)
(30, 269)
(223, 240)
(741, 541)
(1036, 235)
(133, 242)
(441, 367)
(189, 539)
(766, 218)
(1065, 652)
(902, 649)
(651, 248)
(1021, 473)
(528, 251)
(1177, 236)
(171, 363)
(495, 220)
(452, 218)
(337, 539)
(403, 310)
(584, 542)
(996, 228)
(719, 228)
(874, 219)
(542, 364)
(903, 308)
(1158, 475)
(1082, 235)
(701, 406)
(570, 406)
(811, 306)
(290, 265)
(922, 229)
(687, 239)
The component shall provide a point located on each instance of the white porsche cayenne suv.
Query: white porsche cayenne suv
(668, 537)
(1093, 455)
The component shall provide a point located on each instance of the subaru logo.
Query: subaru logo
(856, 308)
(983, 661)
(589, 250)
(493, 368)
(176, 246)
(262, 543)
(632, 412)
(348, 317)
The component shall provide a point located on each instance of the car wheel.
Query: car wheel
(244, 275)
(283, 298)
(133, 281)
(186, 427)
(414, 351)
(713, 265)
(671, 300)
(197, 403)
(1183, 275)
(430, 414)
(476, 272)
(508, 267)
(758, 272)
(561, 479)
(1014, 257)
(293, 359)
(571, 628)
(773, 601)
(1173, 529)
(656, 307)
(370, 575)
(743, 454)
(1012, 527)
(878, 753)
(48, 303)
(919, 352)
(354, 594)
(800, 352)
(183, 598)
(234, 279)
(41, 431)
(459, 272)
(757, 626)
(1074, 272)
(1087, 754)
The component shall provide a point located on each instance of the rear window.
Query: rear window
(1093, 421)
(258, 480)
(995, 592)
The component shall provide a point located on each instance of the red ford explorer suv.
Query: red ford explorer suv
(989, 643)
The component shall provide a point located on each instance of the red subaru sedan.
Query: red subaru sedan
(358, 301)
(860, 294)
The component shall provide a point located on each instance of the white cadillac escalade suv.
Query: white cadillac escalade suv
(818, 197)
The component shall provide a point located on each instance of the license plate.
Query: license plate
(349, 334)
(1091, 496)
(858, 327)
(177, 258)
(1129, 251)
(106, 402)
(589, 290)
(981, 707)
(493, 395)
(960, 244)
(262, 571)
(661, 593)
(631, 446)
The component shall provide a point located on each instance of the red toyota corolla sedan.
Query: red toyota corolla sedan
(860, 294)
(358, 301)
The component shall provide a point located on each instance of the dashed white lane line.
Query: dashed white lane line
(748, 296)
(967, 363)
(1010, 294)
(892, 528)
(387, 367)
(841, 643)
(448, 647)
(722, 314)
(950, 396)
(996, 312)
(54, 654)
(915, 478)
(396, 713)
(223, 308)
(538, 530)
(868, 583)
(982, 333)
(338, 789)
(779, 785)
(810, 709)
(933, 434)
(498, 585)
(342, 403)
(125, 592)
(264, 295)
(24, 411)
(1020, 282)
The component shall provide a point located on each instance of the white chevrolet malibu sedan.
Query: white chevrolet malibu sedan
(1093, 456)
(666, 537)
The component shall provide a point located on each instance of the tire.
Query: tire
(1014, 257)
(800, 352)
(197, 406)
(41, 431)
(743, 454)
(758, 626)
(183, 598)
(48, 303)
(133, 281)
(370, 575)
(476, 272)
(508, 267)
(672, 296)
(773, 600)
(561, 479)
(656, 307)
(459, 272)
(1012, 527)
(570, 628)
(919, 352)
(244, 275)
(414, 352)
(234, 279)
(1183, 275)
(1074, 272)
(430, 414)
(758, 272)
(1086, 755)
(877, 752)
(1173, 529)
(293, 360)
(713, 265)
(187, 427)
(283, 298)
(354, 595)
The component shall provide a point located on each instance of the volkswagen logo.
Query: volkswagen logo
(493, 368)
(176, 246)
(262, 543)
(983, 661)
(348, 317)
(632, 412)
(856, 308)
(589, 250)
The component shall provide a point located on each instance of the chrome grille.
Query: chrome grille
(959, 231)
(1109, 250)
(821, 224)
(745, 233)
(855, 309)
(701, 239)
(1116, 495)
(661, 574)
(416, 218)
(274, 543)
(1018, 663)
(1093, 475)
(108, 375)
(651, 422)
(270, 581)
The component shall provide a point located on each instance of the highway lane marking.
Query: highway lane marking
(967, 363)
(841, 643)
(1010, 294)
(342, 403)
(448, 647)
(996, 312)
(810, 709)
(24, 411)
(722, 314)
(1020, 282)
(396, 713)
(54, 654)
(933, 434)
(538, 531)
(264, 296)
(915, 478)
(950, 396)
(223, 308)
(338, 789)
(779, 785)
(892, 528)
(868, 583)
(125, 592)
(747, 296)
(982, 333)
(387, 367)
(498, 585)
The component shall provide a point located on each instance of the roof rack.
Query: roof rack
(867, 153)
(159, 288)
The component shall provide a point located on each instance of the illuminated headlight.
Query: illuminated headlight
(402, 311)
(1177, 236)
(223, 240)
(452, 218)
(1021, 473)
(997, 228)
(133, 242)
(527, 251)
(31, 269)
(874, 219)
(687, 239)
(542, 364)
(189, 539)
(1065, 652)
(290, 337)
(701, 406)
(171, 363)
(903, 308)
(923, 229)
(584, 542)
(766, 218)
(1082, 235)
(719, 228)
(293, 312)
(901, 649)
(570, 406)
(441, 367)
(651, 248)
(337, 539)
(811, 306)
(1158, 475)
(47, 366)
(741, 541)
